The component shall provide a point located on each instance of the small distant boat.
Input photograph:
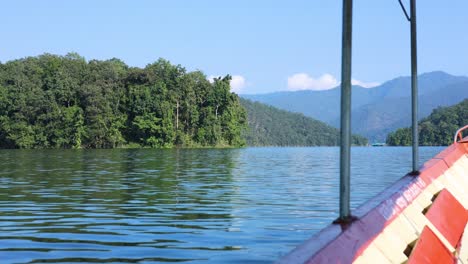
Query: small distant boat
(419, 219)
(378, 144)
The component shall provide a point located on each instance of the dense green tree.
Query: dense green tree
(52, 101)
(435, 130)
(270, 126)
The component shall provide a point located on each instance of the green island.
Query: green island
(435, 130)
(52, 101)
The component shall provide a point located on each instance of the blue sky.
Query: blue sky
(267, 45)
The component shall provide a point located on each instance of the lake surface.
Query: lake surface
(249, 205)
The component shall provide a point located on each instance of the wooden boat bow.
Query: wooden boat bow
(418, 219)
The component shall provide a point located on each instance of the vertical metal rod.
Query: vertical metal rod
(345, 144)
(414, 86)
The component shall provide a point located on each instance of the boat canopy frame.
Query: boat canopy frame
(345, 118)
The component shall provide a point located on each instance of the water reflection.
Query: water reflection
(235, 205)
(114, 205)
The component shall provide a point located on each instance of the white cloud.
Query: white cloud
(238, 82)
(303, 81)
(364, 84)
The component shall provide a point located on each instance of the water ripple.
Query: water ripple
(150, 206)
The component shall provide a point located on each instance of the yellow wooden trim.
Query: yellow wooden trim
(404, 229)
(463, 254)
(372, 255)
(391, 246)
(458, 187)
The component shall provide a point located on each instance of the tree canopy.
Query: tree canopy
(52, 101)
(437, 129)
(270, 126)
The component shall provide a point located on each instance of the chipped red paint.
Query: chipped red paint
(332, 245)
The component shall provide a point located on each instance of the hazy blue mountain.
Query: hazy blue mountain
(427, 83)
(321, 105)
(376, 120)
(375, 111)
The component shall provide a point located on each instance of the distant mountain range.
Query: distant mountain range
(375, 111)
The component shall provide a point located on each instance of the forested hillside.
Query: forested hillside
(378, 119)
(437, 129)
(269, 126)
(376, 111)
(53, 101)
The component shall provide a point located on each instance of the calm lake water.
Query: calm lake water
(209, 205)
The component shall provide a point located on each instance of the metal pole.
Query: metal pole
(414, 87)
(345, 144)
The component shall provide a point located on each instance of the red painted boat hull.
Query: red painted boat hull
(390, 226)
